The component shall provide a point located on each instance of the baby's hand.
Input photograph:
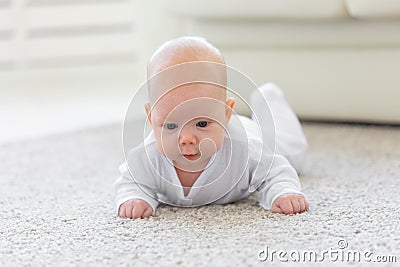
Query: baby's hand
(135, 208)
(290, 204)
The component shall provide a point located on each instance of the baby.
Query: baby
(198, 152)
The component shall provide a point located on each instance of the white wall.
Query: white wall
(40, 34)
(65, 64)
(338, 60)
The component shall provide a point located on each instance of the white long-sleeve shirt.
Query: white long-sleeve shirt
(242, 165)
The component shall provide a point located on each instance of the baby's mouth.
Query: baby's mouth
(192, 156)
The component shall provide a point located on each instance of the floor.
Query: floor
(57, 207)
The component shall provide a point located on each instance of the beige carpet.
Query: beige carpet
(57, 207)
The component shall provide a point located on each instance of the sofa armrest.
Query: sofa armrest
(374, 9)
(256, 9)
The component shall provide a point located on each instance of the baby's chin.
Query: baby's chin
(195, 163)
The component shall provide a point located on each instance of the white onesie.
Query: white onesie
(243, 164)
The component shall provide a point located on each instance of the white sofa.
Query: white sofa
(335, 60)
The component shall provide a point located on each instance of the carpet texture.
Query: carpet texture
(57, 207)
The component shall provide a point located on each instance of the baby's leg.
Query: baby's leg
(290, 140)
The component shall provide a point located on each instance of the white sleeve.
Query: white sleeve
(126, 188)
(281, 179)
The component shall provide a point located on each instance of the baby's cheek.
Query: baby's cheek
(168, 146)
(208, 147)
(217, 136)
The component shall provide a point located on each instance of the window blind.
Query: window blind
(36, 34)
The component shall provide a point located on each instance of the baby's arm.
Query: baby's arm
(131, 199)
(280, 190)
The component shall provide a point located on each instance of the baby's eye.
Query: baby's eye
(202, 124)
(170, 126)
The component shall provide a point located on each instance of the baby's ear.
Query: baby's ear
(148, 113)
(230, 103)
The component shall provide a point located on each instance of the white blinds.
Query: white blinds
(36, 34)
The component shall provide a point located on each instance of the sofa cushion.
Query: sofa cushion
(257, 9)
(370, 9)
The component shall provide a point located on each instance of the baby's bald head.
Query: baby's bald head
(182, 50)
(186, 50)
(187, 108)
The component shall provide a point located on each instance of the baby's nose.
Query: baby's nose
(187, 137)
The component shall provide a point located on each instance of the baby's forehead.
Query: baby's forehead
(186, 107)
(191, 75)
(193, 90)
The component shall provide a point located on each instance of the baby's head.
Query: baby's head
(188, 109)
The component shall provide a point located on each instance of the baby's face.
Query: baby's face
(189, 124)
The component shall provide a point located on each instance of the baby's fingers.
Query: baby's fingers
(276, 209)
(122, 211)
(302, 203)
(128, 209)
(147, 213)
(138, 210)
(287, 207)
(125, 210)
(307, 204)
(295, 205)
